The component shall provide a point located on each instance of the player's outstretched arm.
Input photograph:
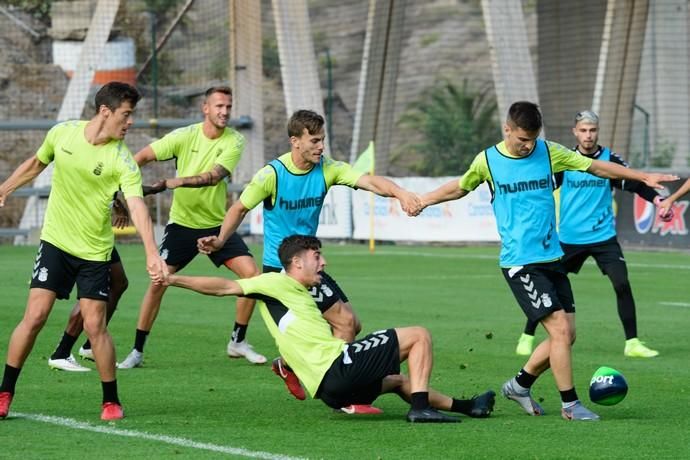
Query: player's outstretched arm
(156, 187)
(26, 172)
(205, 179)
(208, 285)
(446, 192)
(409, 202)
(142, 221)
(609, 170)
(233, 219)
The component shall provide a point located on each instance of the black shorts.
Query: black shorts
(608, 255)
(179, 246)
(57, 271)
(540, 289)
(325, 294)
(357, 375)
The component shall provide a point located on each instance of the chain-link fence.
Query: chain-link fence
(427, 81)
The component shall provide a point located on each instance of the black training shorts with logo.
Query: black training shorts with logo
(356, 377)
(179, 246)
(540, 289)
(58, 271)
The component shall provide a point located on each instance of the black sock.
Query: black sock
(87, 345)
(420, 400)
(531, 327)
(525, 379)
(464, 406)
(9, 379)
(140, 340)
(569, 395)
(239, 332)
(64, 348)
(110, 392)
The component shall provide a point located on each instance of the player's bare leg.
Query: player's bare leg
(344, 322)
(148, 311)
(238, 346)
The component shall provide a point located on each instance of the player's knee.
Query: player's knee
(93, 326)
(422, 335)
(562, 334)
(35, 320)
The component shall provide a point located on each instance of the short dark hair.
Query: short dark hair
(218, 89)
(114, 93)
(294, 245)
(525, 115)
(301, 119)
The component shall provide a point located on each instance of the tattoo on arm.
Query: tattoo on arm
(207, 178)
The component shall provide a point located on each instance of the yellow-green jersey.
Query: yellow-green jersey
(194, 153)
(85, 178)
(303, 337)
(562, 159)
(263, 184)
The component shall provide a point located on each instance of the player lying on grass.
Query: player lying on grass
(341, 374)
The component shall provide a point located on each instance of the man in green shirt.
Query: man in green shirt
(292, 189)
(62, 358)
(340, 373)
(519, 171)
(205, 155)
(91, 164)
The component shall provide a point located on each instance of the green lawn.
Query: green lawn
(191, 394)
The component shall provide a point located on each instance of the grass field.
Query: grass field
(191, 401)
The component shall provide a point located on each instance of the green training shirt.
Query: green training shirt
(194, 153)
(86, 176)
(303, 337)
(562, 159)
(263, 184)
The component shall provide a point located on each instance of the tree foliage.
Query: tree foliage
(452, 124)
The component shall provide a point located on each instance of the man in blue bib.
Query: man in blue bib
(292, 189)
(587, 227)
(519, 172)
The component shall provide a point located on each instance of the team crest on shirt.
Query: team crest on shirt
(42, 274)
(99, 169)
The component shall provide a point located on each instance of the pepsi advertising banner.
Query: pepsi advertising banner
(638, 223)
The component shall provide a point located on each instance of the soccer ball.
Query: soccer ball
(607, 387)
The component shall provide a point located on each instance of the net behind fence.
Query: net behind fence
(427, 81)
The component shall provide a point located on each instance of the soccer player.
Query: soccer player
(62, 357)
(519, 172)
(205, 154)
(587, 227)
(292, 188)
(340, 373)
(91, 164)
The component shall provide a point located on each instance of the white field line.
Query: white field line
(495, 257)
(675, 304)
(182, 442)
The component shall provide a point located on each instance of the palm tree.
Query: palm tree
(452, 124)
